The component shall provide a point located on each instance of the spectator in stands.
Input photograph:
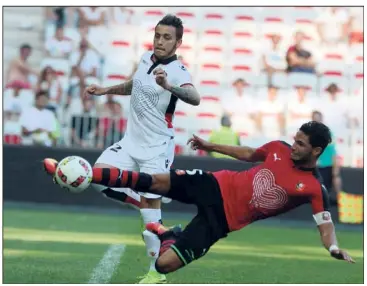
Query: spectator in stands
(328, 164)
(237, 102)
(334, 108)
(111, 126)
(84, 126)
(274, 58)
(224, 136)
(19, 70)
(84, 63)
(92, 16)
(48, 82)
(39, 125)
(271, 115)
(59, 46)
(299, 108)
(298, 59)
(332, 25)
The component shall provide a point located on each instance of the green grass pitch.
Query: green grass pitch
(44, 246)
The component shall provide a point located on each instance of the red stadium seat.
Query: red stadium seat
(12, 139)
(207, 121)
(214, 18)
(181, 137)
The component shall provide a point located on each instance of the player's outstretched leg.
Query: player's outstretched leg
(121, 195)
(50, 166)
(158, 184)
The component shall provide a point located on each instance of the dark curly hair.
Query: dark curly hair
(319, 134)
(172, 20)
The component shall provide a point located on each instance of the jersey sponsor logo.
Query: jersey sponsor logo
(183, 68)
(267, 194)
(300, 187)
(276, 157)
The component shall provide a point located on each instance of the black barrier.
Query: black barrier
(25, 181)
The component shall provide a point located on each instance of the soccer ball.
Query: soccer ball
(74, 174)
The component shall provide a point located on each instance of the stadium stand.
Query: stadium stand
(228, 44)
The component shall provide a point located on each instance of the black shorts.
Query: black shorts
(210, 224)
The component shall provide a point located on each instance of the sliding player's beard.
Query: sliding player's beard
(302, 160)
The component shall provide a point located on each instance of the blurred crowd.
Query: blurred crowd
(268, 70)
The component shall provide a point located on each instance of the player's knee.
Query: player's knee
(163, 266)
(168, 262)
(149, 203)
(161, 183)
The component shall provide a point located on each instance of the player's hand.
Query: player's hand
(197, 143)
(341, 255)
(93, 90)
(161, 78)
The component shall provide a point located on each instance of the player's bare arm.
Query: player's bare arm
(120, 89)
(328, 238)
(186, 93)
(243, 153)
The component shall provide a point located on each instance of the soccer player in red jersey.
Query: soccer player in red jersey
(230, 200)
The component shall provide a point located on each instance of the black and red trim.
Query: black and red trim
(170, 111)
(172, 106)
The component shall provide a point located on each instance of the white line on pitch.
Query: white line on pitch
(103, 272)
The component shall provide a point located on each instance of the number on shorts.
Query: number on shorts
(116, 148)
(194, 171)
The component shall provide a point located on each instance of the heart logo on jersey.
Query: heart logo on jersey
(267, 194)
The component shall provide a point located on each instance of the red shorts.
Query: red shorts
(18, 84)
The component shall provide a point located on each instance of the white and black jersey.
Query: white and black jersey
(152, 107)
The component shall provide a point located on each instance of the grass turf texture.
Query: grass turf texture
(43, 246)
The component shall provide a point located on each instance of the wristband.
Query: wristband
(333, 247)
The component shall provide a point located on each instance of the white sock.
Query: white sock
(152, 241)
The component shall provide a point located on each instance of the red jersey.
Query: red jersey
(271, 188)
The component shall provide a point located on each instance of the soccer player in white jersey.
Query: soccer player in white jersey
(148, 144)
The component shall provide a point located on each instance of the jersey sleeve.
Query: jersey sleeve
(321, 205)
(183, 76)
(262, 152)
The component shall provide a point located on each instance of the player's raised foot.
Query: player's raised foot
(167, 236)
(153, 277)
(50, 165)
(159, 229)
